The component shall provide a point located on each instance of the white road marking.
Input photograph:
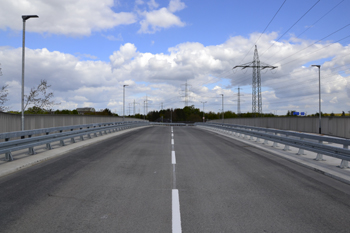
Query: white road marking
(172, 129)
(173, 158)
(176, 216)
(172, 135)
(172, 141)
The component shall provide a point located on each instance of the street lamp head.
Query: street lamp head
(25, 17)
(125, 85)
(319, 66)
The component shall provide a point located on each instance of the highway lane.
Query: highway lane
(229, 186)
(124, 184)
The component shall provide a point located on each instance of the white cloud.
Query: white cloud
(114, 38)
(176, 5)
(156, 20)
(206, 68)
(152, 4)
(74, 18)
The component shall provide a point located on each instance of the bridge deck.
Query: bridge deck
(126, 183)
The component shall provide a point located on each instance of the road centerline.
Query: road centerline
(176, 216)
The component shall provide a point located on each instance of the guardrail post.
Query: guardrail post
(275, 144)
(62, 143)
(257, 139)
(344, 163)
(251, 138)
(82, 137)
(72, 140)
(319, 157)
(48, 146)
(31, 151)
(286, 147)
(8, 156)
(266, 142)
(301, 151)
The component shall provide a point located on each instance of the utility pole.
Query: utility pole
(129, 109)
(222, 108)
(319, 97)
(24, 18)
(146, 104)
(203, 109)
(144, 109)
(239, 102)
(124, 101)
(134, 108)
(256, 83)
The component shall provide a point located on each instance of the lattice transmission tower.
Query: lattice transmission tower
(186, 92)
(256, 83)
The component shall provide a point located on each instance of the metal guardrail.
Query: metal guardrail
(302, 141)
(167, 124)
(30, 142)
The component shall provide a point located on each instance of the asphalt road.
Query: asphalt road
(125, 183)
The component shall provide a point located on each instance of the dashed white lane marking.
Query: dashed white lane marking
(176, 211)
(176, 216)
(173, 158)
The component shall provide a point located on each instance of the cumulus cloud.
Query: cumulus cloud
(208, 69)
(156, 20)
(176, 5)
(76, 18)
(152, 4)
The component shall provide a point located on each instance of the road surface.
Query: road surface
(129, 183)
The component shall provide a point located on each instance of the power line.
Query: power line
(264, 30)
(315, 43)
(291, 27)
(320, 18)
(309, 27)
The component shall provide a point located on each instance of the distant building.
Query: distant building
(82, 111)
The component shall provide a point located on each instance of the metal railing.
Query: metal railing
(302, 141)
(167, 124)
(62, 133)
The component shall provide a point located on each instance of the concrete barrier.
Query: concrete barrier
(333, 126)
(12, 122)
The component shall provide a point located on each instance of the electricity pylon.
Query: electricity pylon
(256, 84)
(186, 96)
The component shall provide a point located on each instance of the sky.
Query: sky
(87, 50)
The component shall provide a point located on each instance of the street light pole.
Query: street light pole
(124, 101)
(222, 108)
(24, 17)
(203, 108)
(319, 97)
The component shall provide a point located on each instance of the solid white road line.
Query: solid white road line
(173, 158)
(176, 216)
